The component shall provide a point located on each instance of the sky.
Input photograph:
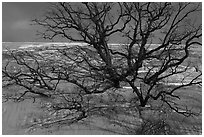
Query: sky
(16, 21)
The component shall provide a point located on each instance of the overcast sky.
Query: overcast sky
(16, 20)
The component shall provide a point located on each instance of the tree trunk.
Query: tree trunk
(142, 102)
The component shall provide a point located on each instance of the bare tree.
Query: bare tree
(99, 67)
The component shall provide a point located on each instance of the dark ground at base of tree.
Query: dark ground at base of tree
(14, 114)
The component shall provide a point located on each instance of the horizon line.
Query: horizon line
(65, 42)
